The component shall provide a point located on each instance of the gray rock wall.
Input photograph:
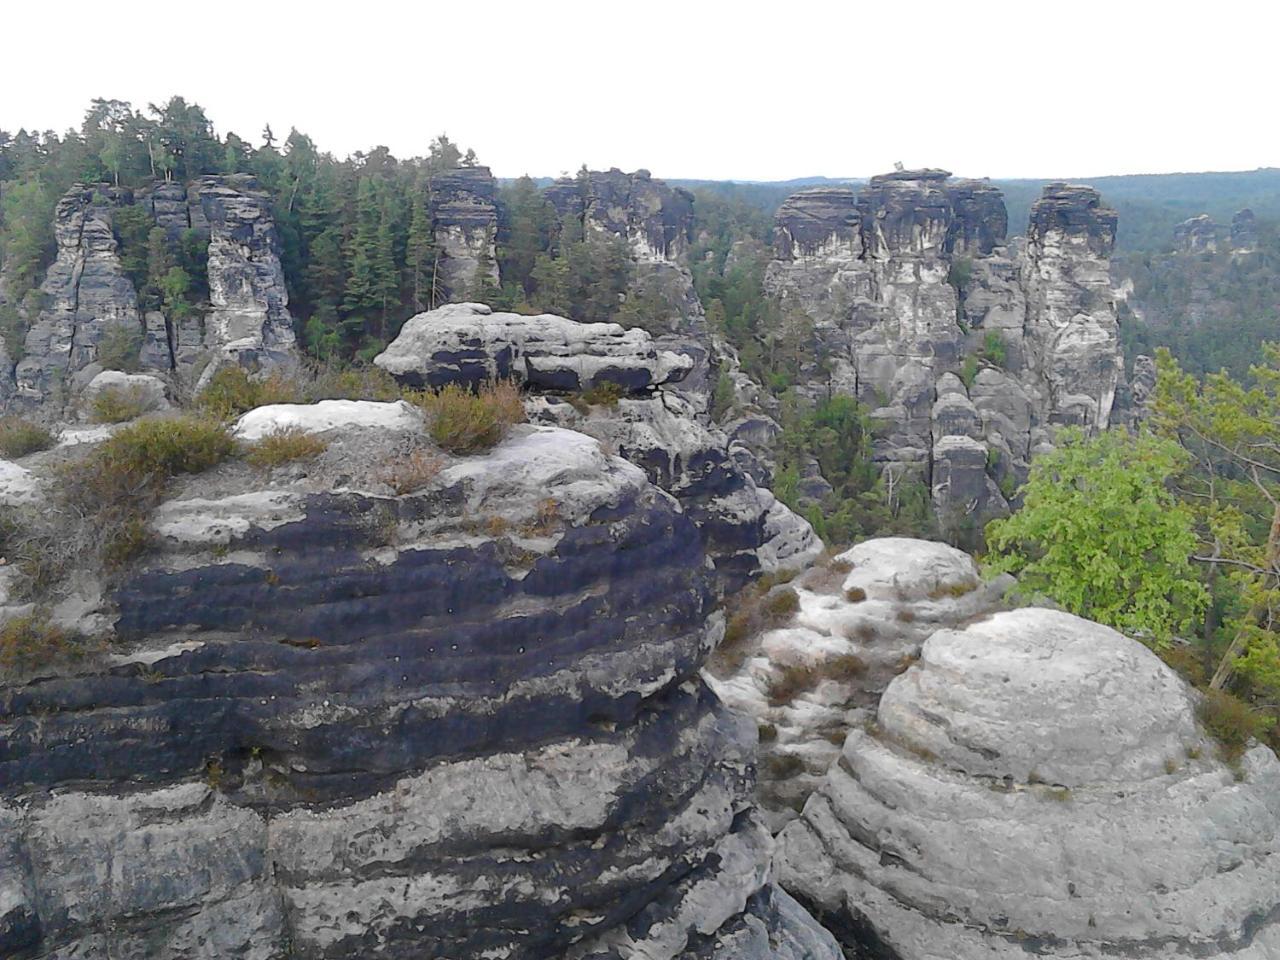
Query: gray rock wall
(910, 281)
(334, 721)
(464, 217)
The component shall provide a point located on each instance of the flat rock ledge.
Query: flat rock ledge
(1037, 783)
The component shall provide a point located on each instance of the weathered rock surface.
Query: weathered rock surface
(464, 219)
(861, 618)
(1196, 235)
(143, 390)
(910, 281)
(470, 343)
(334, 721)
(248, 321)
(1038, 782)
(745, 530)
(86, 296)
(655, 220)
(1244, 232)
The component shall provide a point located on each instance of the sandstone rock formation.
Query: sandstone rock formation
(86, 296)
(1039, 783)
(248, 321)
(1244, 232)
(469, 343)
(464, 219)
(1196, 235)
(860, 620)
(909, 282)
(656, 222)
(332, 720)
(744, 528)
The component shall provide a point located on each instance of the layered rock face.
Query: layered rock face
(910, 282)
(744, 528)
(464, 218)
(249, 319)
(86, 295)
(336, 721)
(89, 298)
(656, 221)
(1039, 782)
(468, 343)
(860, 620)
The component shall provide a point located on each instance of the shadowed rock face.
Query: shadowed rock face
(909, 282)
(1039, 781)
(464, 216)
(655, 219)
(458, 723)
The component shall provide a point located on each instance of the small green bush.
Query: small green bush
(123, 478)
(855, 594)
(464, 422)
(120, 348)
(1231, 722)
(231, 391)
(358, 382)
(30, 642)
(781, 605)
(19, 437)
(285, 446)
(606, 393)
(118, 404)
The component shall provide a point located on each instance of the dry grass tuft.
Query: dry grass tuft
(464, 422)
(412, 472)
(118, 404)
(285, 445)
(19, 437)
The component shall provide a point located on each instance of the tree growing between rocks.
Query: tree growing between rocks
(1101, 533)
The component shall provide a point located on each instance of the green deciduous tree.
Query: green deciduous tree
(1101, 533)
(1230, 433)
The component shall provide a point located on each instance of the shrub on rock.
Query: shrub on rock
(465, 422)
(19, 437)
(285, 446)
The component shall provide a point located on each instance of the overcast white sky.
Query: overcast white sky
(690, 88)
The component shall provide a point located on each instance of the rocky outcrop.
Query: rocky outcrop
(1038, 782)
(743, 527)
(1244, 232)
(90, 301)
(1196, 235)
(903, 286)
(464, 721)
(464, 219)
(860, 620)
(86, 296)
(248, 320)
(655, 221)
(745, 530)
(469, 343)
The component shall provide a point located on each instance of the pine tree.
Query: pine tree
(420, 255)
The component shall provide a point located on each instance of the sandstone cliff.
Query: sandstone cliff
(464, 220)
(970, 348)
(88, 298)
(330, 720)
(639, 411)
